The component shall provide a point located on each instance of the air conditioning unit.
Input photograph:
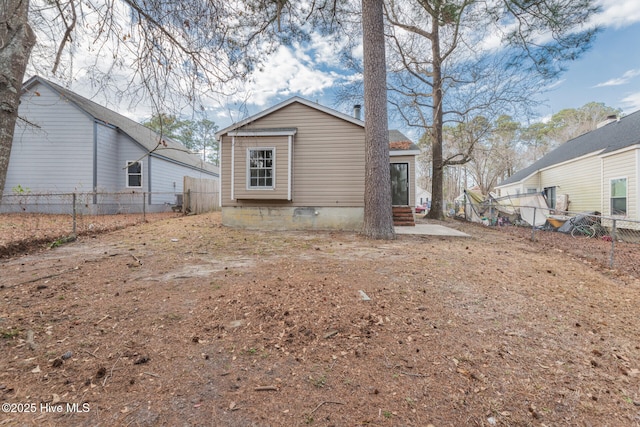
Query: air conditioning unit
(177, 206)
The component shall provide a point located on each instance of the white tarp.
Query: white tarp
(527, 205)
(533, 209)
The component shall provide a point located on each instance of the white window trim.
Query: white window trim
(289, 165)
(248, 171)
(626, 188)
(127, 164)
(233, 167)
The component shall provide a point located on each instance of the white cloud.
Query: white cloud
(618, 13)
(618, 81)
(631, 102)
(556, 84)
(326, 51)
(288, 72)
(615, 13)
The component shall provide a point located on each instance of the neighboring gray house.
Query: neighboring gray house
(598, 171)
(64, 143)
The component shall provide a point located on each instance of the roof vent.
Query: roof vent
(356, 111)
(610, 119)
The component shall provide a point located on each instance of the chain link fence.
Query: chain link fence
(34, 219)
(608, 241)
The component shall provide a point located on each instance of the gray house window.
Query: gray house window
(261, 168)
(619, 196)
(134, 174)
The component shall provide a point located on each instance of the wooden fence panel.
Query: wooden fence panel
(200, 195)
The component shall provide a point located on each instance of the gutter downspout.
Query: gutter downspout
(149, 179)
(220, 174)
(95, 162)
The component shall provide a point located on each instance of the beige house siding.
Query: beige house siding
(580, 179)
(621, 165)
(509, 190)
(328, 161)
(531, 184)
(412, 173)
(241, 147)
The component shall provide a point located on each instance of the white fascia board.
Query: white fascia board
(622, 150)
(519, 182)
(575, 159)
(393, 153)
(264, 132)
(289, 166)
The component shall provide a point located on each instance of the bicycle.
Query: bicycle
(588, 227)
(583, 230)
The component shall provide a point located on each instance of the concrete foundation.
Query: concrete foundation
(294, 218)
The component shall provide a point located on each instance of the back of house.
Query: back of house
(297, 165)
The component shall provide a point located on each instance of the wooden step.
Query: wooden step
(403, 216)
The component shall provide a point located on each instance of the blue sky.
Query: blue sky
(609, 72)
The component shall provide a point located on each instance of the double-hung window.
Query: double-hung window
(134, 174)
(261, 168)
(619, 196)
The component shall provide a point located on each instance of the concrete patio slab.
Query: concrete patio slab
(430, 230)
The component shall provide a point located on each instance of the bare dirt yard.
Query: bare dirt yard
(183, 322)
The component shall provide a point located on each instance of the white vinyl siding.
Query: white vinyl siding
(107, 145)
(616, 166)
(55, 155)
(581, 179)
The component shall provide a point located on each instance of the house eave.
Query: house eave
(283, 104)
(622, 150)
(396, 153)
(264, 132)
(555, 165)
(520, 181)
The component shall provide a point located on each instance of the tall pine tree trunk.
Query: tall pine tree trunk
(437, 168)
(378, 216)
(16, 41)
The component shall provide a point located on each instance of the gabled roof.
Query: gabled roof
(285, 103)
(144, 136)
(399, 144)
(611, 137)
